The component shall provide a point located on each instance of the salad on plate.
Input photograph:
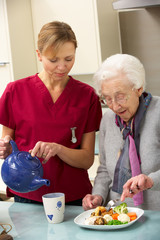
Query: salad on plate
(117, 217)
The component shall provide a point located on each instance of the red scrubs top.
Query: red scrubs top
(27, 107)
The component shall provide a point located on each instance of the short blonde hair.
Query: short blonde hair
(124, 63)
(54, 35)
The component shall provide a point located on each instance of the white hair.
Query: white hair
(124, 63)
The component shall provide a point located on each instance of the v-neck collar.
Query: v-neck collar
(46, 94)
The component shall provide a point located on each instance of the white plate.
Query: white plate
(80, 219)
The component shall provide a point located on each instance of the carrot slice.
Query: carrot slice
(132, 215)
(115, 216)
(132, 218)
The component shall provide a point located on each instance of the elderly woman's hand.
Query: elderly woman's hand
(135, 185)
(45, 150)
(5, 147)
(91, 201)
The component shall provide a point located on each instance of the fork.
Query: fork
(111, 203)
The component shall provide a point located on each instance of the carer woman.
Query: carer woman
(129, 137)
(54, 116)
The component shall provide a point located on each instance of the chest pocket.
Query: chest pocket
(71, 125)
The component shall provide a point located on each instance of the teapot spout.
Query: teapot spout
(38, 182)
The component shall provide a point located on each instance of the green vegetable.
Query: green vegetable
(122, 208)
(115, 222)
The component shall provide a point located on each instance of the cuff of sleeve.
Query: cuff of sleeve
(104, 196)
(156, 182)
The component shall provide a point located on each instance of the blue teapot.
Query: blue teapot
(21, 172)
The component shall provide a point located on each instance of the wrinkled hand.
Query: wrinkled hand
(5, 147)
(91, 201)
(135, 185)
(45, 150)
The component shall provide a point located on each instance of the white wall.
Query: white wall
(21, 38)
(140, 36)
(109, 34)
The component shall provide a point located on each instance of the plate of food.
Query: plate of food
(117, 217)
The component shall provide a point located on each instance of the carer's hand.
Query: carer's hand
(91, 201)
(45, 150)
(135, 185)
(5, 147)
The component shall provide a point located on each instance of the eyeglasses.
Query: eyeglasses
(119, 99)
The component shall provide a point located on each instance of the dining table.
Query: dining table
(29, 222)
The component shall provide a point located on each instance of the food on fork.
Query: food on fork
(99, 210)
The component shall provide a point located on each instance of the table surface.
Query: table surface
(29, 222)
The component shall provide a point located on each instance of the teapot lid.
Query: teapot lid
(25, 160)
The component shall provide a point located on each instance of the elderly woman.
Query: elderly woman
(129, 137)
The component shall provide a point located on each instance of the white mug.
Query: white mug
(54, 207)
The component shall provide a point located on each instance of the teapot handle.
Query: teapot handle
(14, 146)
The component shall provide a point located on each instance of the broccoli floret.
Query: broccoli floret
(122, 208)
